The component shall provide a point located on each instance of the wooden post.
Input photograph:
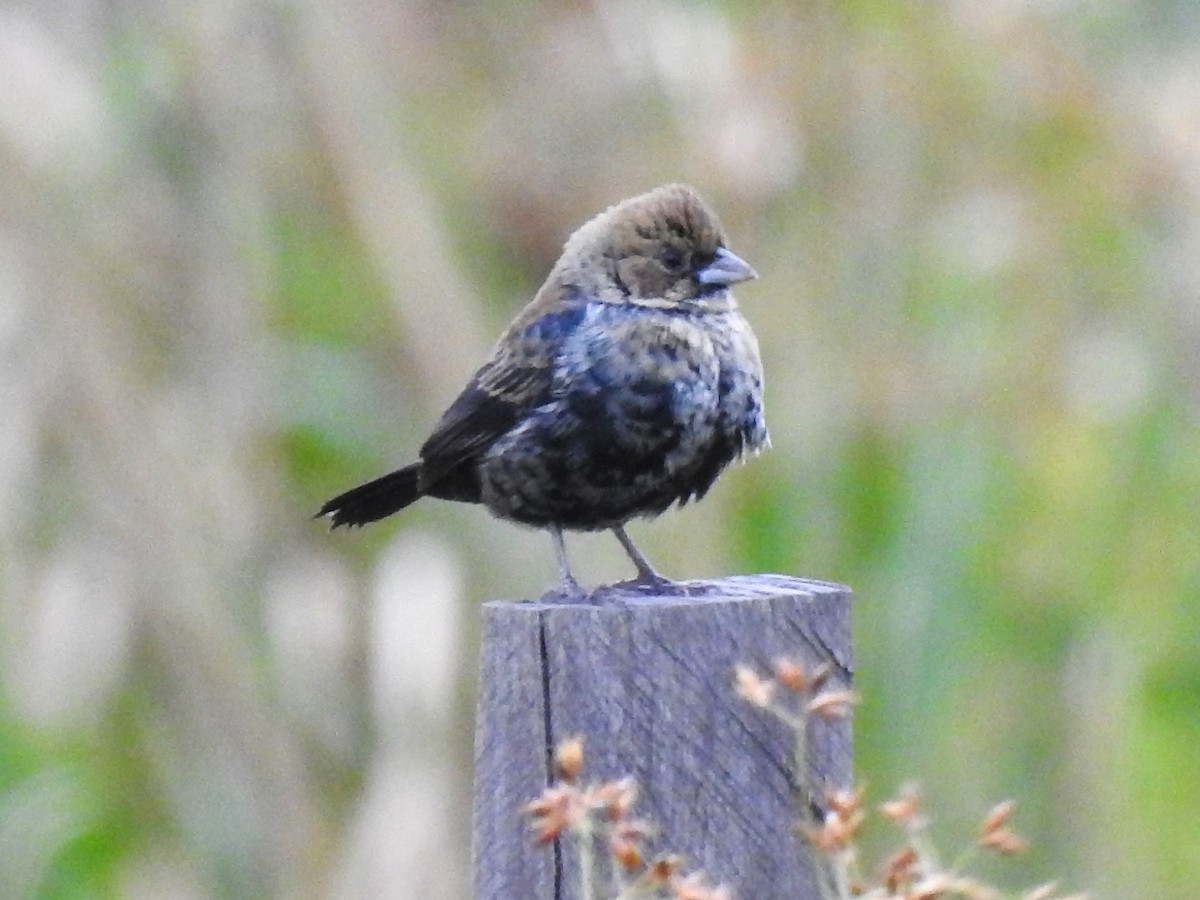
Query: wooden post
(647, 680)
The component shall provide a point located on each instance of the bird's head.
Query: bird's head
(664, 249)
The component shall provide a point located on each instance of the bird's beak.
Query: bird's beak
(725, 269)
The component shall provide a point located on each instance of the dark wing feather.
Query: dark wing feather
(471, 424)
(516, 380)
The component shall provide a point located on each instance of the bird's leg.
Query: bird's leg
(646, 573)
(567, 585)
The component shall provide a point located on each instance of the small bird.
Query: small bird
(627, 385)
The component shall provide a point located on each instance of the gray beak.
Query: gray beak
(725, 269)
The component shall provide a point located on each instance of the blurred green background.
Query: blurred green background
(250, 249)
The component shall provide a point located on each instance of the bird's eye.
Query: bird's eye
(671, 258)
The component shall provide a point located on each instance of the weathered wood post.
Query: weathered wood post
(647, 680)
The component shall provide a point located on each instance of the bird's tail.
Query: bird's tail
(375, 499)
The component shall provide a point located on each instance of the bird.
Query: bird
(626, 386)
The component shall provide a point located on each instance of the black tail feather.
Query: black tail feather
(375, 499)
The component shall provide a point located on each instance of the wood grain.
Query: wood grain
(647, 681)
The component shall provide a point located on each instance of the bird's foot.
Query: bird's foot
(650, 582)
(568, 590)
(647, 581)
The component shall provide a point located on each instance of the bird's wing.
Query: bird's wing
(474, 420)
(515, 380)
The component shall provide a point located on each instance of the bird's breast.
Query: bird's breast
(645, 408)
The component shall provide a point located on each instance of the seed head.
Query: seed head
(568, 759)
(830, 705)
(752, 688)
(790, 673)
(905, 808)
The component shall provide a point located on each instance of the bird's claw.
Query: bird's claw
(568, 590)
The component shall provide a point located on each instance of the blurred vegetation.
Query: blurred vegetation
(249, 249)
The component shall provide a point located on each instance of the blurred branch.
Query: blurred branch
(355, 106)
